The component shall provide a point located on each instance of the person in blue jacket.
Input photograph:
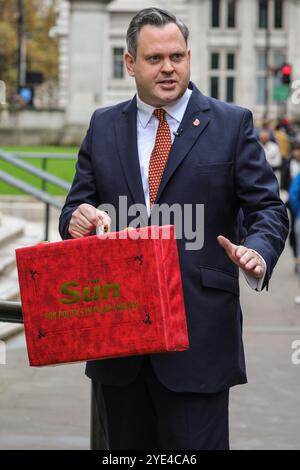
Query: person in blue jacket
(294, 201)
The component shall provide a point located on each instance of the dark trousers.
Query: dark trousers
(146, 415)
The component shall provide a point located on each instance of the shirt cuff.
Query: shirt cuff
(254, 283)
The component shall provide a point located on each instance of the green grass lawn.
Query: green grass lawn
(65, 169)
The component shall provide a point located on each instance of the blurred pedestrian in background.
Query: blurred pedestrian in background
(290, 170)
(266, 126)
(282, 140)
(290, 166)
(272, 152)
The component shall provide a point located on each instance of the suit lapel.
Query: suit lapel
(194, 122)
(126, 133)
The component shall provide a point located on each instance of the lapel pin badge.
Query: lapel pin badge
(196, 122)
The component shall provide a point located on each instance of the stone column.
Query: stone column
(62, 29)
(247, 19)
(198, 25)
(88, 39)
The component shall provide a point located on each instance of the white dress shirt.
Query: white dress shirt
(147, 126)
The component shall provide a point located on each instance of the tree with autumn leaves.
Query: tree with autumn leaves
(41, 49)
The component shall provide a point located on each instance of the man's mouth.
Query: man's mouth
(167, 81)
(167, 84)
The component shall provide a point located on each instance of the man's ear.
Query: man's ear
(129, 62)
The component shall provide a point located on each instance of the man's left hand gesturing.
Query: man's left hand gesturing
(243, 257)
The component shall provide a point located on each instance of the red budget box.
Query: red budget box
(98, 297)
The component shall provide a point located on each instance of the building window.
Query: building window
(270, 10)
(278, 14)
(263, 13)
(279, 58)
(231, 5)
(215, 13)
(215, 60)
(214, 87)
(261, 61)
(230, 61)
(230, 89)
(222, 76)
(260, 90)
(230, 67)
(223, 13)
(118, 63)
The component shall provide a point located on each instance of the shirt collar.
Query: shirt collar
(175, 110)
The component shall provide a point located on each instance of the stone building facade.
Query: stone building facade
(231, 42)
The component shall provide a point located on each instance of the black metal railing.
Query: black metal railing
(46, 177)
(11, 312)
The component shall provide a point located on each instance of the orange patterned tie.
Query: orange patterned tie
(160, 153)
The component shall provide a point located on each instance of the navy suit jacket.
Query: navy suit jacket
(220, 164)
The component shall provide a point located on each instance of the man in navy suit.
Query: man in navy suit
(179, 400)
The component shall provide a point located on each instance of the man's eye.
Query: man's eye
(154, 58)
(177, 57)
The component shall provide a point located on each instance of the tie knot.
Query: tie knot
(160, 114)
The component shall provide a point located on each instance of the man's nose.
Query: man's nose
(167, 66)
